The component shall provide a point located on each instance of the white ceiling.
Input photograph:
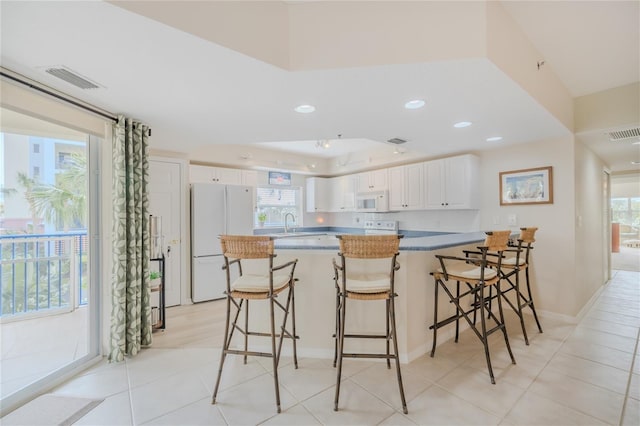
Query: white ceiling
(193, 92)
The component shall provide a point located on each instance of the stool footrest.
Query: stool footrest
(383, 356)
(256, 333)
(249, 353)
(494, 329)
(367, 336)
(450, 319)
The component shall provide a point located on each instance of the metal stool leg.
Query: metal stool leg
(340, 351)
(388, 335)
(504, 327)
(225, 346)
(435, 317)
(246, 330)
(293, 323)
(535, 314)
(484, 338)
(273, 351)
(392, 318)
(519, 306)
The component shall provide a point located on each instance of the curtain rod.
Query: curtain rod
(60, 97)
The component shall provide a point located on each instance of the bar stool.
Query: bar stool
(511, 267)
(477, 275)
(356, 281)
(236, 248)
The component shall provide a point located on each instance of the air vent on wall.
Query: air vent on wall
(396, 141)
(71, 77)
(624, 134)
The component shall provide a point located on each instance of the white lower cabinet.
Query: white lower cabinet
(451, 183)
(406, 187)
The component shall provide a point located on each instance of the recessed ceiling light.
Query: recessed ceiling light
(462, 124)
(414, 104)
(304, 109)
(494, 139)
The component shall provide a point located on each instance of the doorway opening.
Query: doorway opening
(48, 253)
(625, 222)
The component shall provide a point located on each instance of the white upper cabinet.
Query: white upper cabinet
(318, 194)
(406, 190)
(374, 180)
(208, 174)
(449, 183)
(250, 178)
(342, 193)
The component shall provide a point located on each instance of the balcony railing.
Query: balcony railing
(43, 272)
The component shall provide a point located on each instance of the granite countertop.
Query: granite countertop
(328, 241)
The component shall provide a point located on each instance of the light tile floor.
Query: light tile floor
(584, 374)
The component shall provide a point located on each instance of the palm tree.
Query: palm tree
(63, 204)
(29, 184)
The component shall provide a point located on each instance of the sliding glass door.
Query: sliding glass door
(48, 253)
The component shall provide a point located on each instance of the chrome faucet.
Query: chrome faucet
(286, 225)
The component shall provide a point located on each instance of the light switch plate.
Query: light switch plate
(513, 219)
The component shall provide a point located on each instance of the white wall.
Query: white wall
(627, 185)
(553, 260)
(589, 232)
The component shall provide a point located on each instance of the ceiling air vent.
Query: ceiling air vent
(397, 141)
(71, 77)
(624, 134)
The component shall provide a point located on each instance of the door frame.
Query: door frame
(185, 274)
(606, 195)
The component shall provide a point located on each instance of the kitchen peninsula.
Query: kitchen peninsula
(315, 293)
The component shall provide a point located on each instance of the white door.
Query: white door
(165, 201)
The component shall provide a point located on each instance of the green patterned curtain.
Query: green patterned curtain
(131, 309)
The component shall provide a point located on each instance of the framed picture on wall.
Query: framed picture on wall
(280, 178)
(527, 186)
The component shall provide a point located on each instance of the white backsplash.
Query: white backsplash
(420, 220)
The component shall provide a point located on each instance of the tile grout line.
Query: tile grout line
(626, 395)
(558, 351)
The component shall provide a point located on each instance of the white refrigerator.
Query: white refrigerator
(215, 209)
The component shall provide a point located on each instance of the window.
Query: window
(49, 279)
(626, 210)
(64, 158)
(274, 203)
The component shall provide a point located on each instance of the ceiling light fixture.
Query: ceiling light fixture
(304, 109)
(494, 139)
(635, 143)
(414, 104)
(324, 143)
(399, 151)
(635, 163)
(462, 124)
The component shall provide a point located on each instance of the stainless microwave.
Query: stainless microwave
(372, 201)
